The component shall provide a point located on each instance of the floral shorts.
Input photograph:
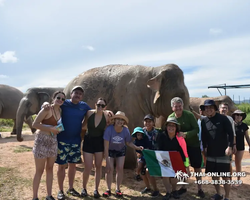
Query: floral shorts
(45, 146)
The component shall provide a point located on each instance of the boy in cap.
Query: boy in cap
(151, 132)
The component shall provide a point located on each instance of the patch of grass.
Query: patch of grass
(21, 149)
(11, 182)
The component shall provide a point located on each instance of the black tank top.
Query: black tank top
(96, 131)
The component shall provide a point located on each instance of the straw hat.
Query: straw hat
(121, 115)
(239, 112)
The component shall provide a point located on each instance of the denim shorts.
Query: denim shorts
(116, 154)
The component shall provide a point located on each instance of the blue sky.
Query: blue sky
(48, 43)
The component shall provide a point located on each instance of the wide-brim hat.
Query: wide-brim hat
(210, 102)
(78, 87)
(244, 115)
(137, 130)
(173, 120)
(121, 115)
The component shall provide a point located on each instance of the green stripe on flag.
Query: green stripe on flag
(152, 163)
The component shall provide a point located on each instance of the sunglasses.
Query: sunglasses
(60, 98)
(238, 115)
(101, 105)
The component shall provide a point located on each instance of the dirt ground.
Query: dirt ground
(17, 170)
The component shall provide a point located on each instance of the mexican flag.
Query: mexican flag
(163, 163)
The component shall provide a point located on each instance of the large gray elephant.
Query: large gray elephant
(195, 102)
(136, 90)
(31, 104)
(9, 101)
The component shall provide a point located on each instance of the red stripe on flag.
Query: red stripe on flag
(176, 161)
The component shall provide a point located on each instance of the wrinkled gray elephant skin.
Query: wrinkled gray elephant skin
(9, 101)
(135, 90)
(195, 102)
(31, 104)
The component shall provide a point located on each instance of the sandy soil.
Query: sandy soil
(17, 170)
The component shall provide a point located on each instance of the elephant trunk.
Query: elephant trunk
(20, 115)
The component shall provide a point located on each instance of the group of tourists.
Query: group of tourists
(106, 136)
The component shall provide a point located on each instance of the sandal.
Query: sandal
(106, 194)
(217, 197)
(118, 193)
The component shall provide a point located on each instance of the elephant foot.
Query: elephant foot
(13, 133)
(19, 139)
(33, 130)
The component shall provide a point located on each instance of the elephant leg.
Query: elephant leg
(14, 128)
(29, 121)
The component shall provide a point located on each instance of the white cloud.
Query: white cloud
(8, 57)
(3, 76)
(90, 48)
(215, 31)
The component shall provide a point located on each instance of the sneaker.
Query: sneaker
(84, 193)
(167, 196)
(146, 190)
(182, 190)
(60, 195)
(118, 193)
(73, 192)
(50, 198)
(175, 194)
(106, 194)
(201, 193)
(96, 194)
(138, 177)
(217, 197)
(155, 194)
(32, 199)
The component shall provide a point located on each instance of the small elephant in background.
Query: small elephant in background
(195, 102)
(9, 102)
(31, 104)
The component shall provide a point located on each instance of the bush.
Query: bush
(6, 125)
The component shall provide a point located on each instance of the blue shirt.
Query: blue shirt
(72, 117)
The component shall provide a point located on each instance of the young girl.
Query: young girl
(116, 137)
(45, 145)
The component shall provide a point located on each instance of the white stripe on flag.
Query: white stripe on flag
(165, 163)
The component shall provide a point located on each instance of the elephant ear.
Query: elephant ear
(43, 97)
(155, 85)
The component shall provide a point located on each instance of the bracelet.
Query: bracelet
(234, 143)
(52, 134)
